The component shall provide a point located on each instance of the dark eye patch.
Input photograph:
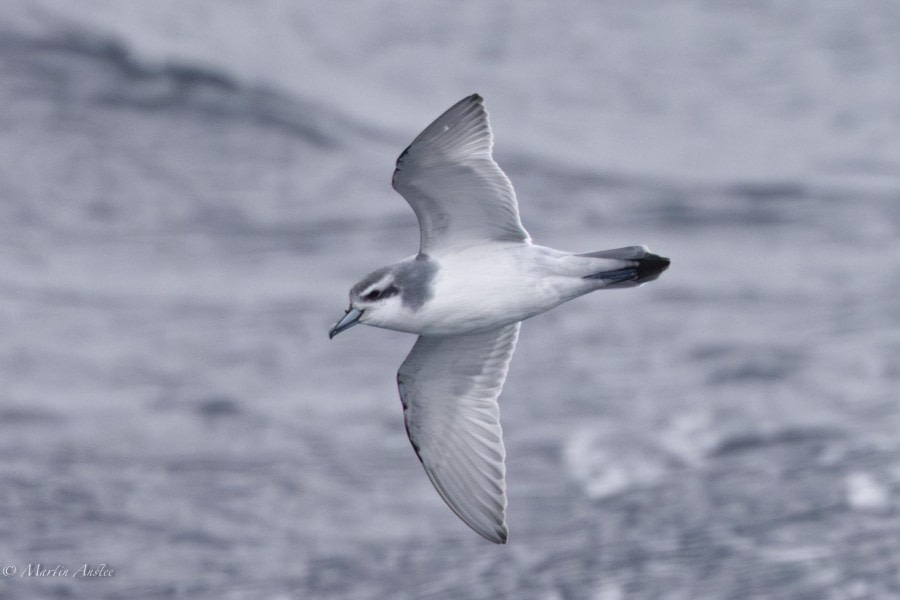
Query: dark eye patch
(379, 294)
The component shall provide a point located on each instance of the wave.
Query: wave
(87, 67)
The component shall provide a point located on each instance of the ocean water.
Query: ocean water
(187, 192)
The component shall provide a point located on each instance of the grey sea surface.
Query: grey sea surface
(187, 194)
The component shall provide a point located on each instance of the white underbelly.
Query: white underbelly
(489, 290)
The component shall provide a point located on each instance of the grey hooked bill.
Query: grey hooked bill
(350, 318)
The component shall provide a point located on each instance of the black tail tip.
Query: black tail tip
(651, 266)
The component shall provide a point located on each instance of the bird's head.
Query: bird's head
(391, 297)
(375, 300)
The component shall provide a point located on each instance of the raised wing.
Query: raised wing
(459, 194)
(449, 387)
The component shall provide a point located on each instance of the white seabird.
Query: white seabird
(476, 277)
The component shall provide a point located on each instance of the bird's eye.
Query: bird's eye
(373, 295)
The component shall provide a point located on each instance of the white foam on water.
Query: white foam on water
(608, 461)
(865, 492)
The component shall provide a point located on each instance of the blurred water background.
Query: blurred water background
(188, 189)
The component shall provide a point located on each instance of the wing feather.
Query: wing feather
(460, 195)
(449, 387)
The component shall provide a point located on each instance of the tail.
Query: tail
(643, 266)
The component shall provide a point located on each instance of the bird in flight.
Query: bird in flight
(476, 276)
